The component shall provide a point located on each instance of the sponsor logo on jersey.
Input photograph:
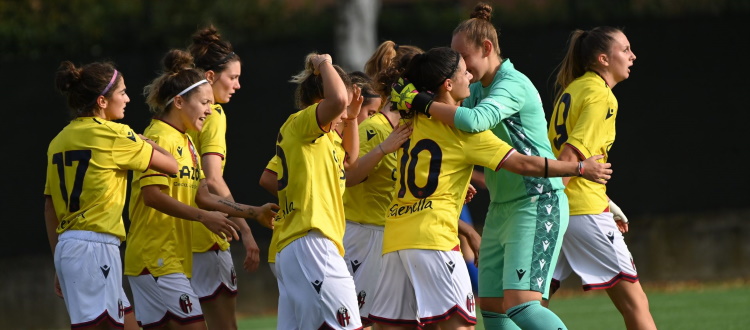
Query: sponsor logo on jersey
(317, 284)
(342, 315)
(421, 205)
(361, 298)
(520, 273)
(234, 277)
(610, 113)
(120, 309)
(185, 305)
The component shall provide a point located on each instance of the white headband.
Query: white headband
(186, 90)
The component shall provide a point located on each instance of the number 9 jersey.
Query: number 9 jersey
(434, 168)
(87, 173)
(584, 119)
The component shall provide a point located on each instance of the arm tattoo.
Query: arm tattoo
(231, 204)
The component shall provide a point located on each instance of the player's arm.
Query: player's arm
(334, 92)
(161, 159)
(211, 165)
(263, 214)
(350, 139)
(568, 154)
(215, 221)
(369, 161)
(589, 169)
(472, 237)
(269, 182)
(51, 221)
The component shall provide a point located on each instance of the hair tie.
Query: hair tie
(455, 67)
(369, 95)
(221, 62)
(395, 46)
(186, 90)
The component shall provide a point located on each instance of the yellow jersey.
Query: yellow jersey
(311, 180)
(584, 119)
(211, 140)
(160, 244)
(367, 201)
(87, 173)
(434, 169)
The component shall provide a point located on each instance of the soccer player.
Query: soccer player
(424, 274)
(371, 100)
(311, 223)
(87, 168)
(214, 277)
(158, 258)
(583, 124)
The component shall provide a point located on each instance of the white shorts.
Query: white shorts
(213, 272)
(320, 290)
(89, 269)
(422, 287)
(595, 249)
(364, 247)
(160, 299)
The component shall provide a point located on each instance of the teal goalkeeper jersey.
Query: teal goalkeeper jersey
(511, 107)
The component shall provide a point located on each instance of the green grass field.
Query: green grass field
(722, 307)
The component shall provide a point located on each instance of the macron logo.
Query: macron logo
(610, 113)
(548, 225)
(545, 244)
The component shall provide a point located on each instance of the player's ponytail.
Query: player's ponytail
(83, 85)
(479, 27)
(388, 74)
(179, 73)
(310, 85)
(583, 49)
(210, 51)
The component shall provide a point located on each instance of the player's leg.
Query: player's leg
(632, 303)
(491, 270)
(535, 228)
(562, 271)
(215, 283)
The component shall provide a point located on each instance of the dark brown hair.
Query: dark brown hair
(427, 71)
(83, 85)
(583, 49)
(210, 52)
(179, 73)
(364, 82)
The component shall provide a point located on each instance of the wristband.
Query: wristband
(381, 149)
(546, 168)
(580, 168)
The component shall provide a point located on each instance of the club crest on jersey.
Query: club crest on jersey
(234, 277)
(342, 316)
(361, 298)
(185, 305)
(470, 302)
(120, 309)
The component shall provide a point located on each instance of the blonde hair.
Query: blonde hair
(479, 27)
(310, 86)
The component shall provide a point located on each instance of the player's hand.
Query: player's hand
(352, 111)
(317, 60)
(218, 224)
(620, 219)
(406, 97)
(58, 288)
(397, 138)
(470, 192)
(252, 256)
(265, 215)
(596, 171)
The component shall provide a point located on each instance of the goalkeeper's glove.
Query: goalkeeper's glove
(617, 212)
(406, 97)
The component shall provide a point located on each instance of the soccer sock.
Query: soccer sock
(494, 321)
(531, 315)
(473, 275)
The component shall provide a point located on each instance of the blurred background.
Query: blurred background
(679, 172)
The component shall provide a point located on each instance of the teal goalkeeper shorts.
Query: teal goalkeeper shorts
(521, 242)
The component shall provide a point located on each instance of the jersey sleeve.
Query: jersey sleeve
(369, 138)
(590, 128)
(152, 177)
(273, 165)
(305, 125)
(212, 138)
(486, 149)
(498, 105)
(130, 152)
